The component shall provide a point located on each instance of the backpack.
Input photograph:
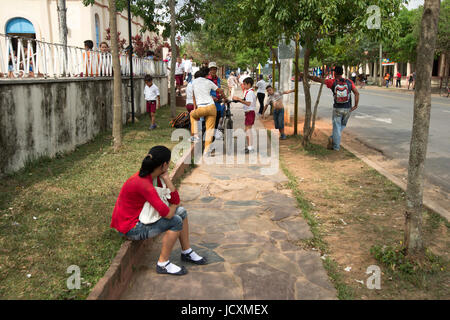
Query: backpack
(341, 91)
(183, 120)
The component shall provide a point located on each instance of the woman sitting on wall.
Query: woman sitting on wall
(139, 189)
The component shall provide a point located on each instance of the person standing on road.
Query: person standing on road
(386, 79)
(414, 80)
(261, 93)
(410, 80)
(398, 84)
(342, 106)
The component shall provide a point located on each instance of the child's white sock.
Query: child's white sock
(250, 147)
(194, 256)
(171, 268)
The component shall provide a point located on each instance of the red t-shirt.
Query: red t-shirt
(132, 197)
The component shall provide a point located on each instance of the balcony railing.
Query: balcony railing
(29, 58)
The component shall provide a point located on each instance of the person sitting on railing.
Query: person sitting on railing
(88, 46)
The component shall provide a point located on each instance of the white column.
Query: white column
(408, 69)
(285, 81)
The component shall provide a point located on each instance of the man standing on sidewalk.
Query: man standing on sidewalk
(342, 107)
(399, 80)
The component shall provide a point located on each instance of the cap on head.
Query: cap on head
(212, 64)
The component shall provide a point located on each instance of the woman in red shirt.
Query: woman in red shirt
(139, 189)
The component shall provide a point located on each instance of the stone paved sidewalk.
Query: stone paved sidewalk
(245, 223)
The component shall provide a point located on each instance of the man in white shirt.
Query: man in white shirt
(204, 105)
(261, 93)
(232, 84)
(187, 67)
(249, 104)
(179, 74)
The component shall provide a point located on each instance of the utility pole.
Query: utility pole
(173, 59)
(381, 65)
(130, 53)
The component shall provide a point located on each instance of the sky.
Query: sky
(412, 4)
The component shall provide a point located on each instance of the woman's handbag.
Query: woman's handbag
(149, 214)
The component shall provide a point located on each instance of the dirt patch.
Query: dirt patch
(357, 208)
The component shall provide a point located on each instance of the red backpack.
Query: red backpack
(341, 91)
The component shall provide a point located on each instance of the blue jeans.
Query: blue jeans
(189, 77)
(144, 231)
(339, 119)
(278, 118)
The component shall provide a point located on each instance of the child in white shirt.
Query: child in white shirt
(151, 94)
(249, 104)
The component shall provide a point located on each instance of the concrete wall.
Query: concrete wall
(45, 117)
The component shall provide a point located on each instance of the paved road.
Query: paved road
(384, 121)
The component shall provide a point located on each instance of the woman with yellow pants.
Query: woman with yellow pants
(204, 105)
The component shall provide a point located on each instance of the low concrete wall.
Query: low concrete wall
(50, 116)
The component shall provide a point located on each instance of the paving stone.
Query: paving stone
(222, 177)
(242, 255)
(197, 177)
(210, 255)
(207, 199)
(224, 228)
(193, 286)
(287, 246)
(311, 265)
(188, 193)
(306, 290)
(297, 229)
(257, 225)
(245, 237)
(262, 282)
(211, 267)
(282, 263)
(247, 203)
(277, 235)
(210, 245)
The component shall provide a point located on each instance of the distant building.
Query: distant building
(38, 19)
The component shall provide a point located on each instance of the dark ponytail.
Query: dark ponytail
(155, 157)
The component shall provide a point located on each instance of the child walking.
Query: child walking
(275, 98)
(151, 93)
(249, 103)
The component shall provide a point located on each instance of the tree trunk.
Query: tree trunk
(421, 124)
(315, 113)
(306, 89)
(62, 21)
(117, 102)
(173, 59)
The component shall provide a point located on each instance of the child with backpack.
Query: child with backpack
(151, 93)
(342, 107)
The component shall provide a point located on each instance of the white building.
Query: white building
(38, 19)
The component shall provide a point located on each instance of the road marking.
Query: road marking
(403, 98)
(369, 117)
